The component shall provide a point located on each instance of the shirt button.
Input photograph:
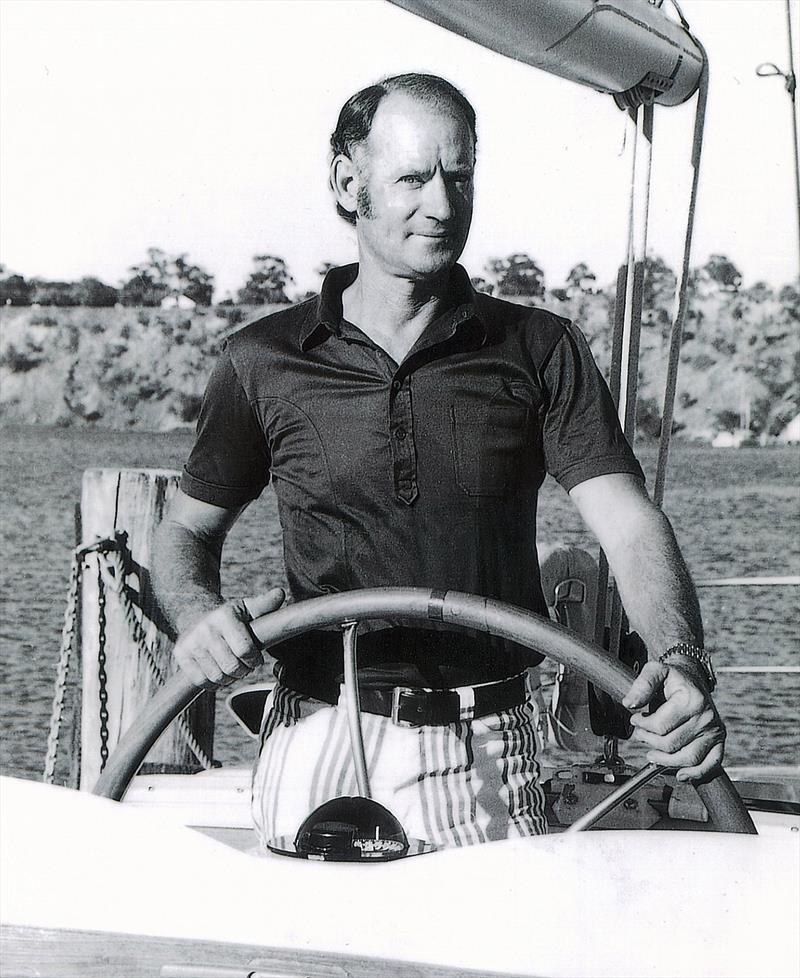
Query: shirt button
(400, 434)
(396, 385)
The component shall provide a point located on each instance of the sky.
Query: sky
(202, 127)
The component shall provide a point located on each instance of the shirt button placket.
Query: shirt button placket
(404, 456)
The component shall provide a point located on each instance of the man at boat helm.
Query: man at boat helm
(408, 422)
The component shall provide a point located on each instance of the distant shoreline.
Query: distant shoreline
(145, 368)
(644, 442)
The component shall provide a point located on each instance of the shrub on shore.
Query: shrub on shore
(147, 367)
(118, 368)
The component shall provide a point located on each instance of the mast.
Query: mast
(770, 70)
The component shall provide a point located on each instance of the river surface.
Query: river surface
(736, 513)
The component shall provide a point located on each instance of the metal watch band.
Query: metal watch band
(696, 652)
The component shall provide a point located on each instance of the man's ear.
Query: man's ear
(344, 182)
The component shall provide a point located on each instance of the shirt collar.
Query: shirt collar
(325, 316)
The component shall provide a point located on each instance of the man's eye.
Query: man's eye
(413, 178)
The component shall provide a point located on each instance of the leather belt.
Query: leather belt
(410, 706)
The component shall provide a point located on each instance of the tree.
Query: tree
(162, 275)
(744, 357)
(14, 290)
(721, 271)
(267, 283)
(95, 294)
(190, 280)
(760, 292)
(658, 294)
(580, 280)
(142, 289)
(518, 275)
(46, 293)
(789, 298)
(659, 283)
(480, 284)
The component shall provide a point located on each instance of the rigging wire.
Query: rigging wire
(676, 337)
(627, 330)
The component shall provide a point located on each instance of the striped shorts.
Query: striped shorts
(455, 785)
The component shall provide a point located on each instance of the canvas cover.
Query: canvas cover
(610, 45)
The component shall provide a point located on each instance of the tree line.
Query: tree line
(270, 282)
(740, 361)
(148, 283)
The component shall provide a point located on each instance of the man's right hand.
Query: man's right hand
(220, 647)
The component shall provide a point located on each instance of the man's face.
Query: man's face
(415, 187)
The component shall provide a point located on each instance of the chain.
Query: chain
(65, 652)
(101, 664)
(115, 562)
(112, 570)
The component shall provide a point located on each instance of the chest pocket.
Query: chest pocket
(490, 446)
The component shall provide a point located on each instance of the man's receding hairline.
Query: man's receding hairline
(360, 153)
(437, 100)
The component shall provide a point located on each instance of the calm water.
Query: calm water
(736, 513)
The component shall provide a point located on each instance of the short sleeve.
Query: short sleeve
(582, 436)
(229, 463)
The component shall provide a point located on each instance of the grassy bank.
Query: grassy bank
(146, 369)
(115, 368)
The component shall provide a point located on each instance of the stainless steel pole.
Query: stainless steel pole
(791, 88)
(616, 797)
(770, 70)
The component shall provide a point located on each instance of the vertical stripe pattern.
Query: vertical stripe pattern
(456, 785)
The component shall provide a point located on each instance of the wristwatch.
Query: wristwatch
(699, 654)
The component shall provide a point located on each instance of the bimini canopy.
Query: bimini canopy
(629, 48)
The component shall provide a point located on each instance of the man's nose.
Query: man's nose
(438, 202)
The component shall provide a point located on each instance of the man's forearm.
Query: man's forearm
(643, 554)
(658, 594)
(655, 585)
(685, 731)
(186, 574)
(214, 643)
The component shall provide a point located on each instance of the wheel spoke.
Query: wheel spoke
(349, 642)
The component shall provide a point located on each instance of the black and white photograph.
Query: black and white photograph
(400, 455)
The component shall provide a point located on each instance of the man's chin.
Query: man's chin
(428, 273)
(431, 262)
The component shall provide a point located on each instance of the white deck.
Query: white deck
(604, 903)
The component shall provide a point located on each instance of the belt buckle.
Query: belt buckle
(397, 692)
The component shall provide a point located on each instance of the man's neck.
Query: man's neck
(393, 311)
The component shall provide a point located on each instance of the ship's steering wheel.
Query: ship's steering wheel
(420, 605)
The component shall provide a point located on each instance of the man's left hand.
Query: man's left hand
(686, 731)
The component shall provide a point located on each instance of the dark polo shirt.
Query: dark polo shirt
(423, 473)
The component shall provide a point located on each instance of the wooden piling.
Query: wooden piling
(130, 502)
